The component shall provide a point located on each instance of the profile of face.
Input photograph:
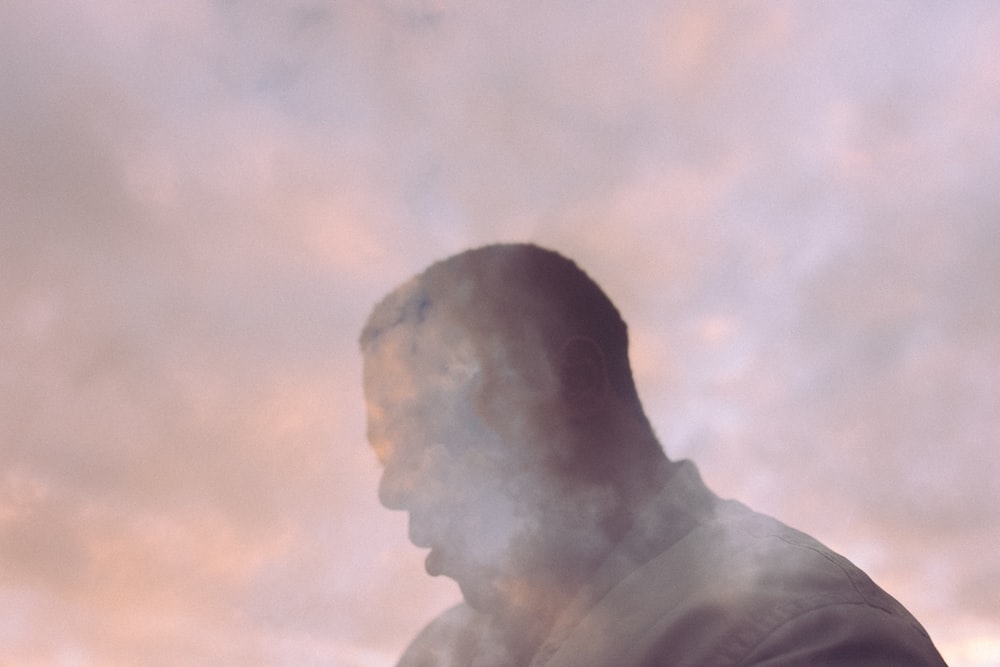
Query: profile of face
(463, 452)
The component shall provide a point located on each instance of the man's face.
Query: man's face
(466, 466)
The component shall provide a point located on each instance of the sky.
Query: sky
(793, 204)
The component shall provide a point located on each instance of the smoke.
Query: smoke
(791, 205)
(548, 552)
(468, 415)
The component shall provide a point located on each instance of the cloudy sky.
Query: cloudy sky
(795, 205)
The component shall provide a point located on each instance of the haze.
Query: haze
(795, 206)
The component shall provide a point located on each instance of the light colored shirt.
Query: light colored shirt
(703, 581)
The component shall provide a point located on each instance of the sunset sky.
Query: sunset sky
(796, 206)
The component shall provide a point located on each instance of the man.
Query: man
(502, 407)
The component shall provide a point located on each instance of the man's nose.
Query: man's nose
(395, 488)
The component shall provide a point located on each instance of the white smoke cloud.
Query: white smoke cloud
(792, 205)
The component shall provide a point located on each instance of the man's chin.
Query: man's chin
(478, 586)
(481, 596)
(523, 618)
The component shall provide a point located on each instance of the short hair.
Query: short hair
(517, 294)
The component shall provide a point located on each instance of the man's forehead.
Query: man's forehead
(410, 362)
(417, 392)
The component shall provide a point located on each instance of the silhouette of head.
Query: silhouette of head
(489, 379)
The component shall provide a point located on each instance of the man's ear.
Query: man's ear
(583, 375)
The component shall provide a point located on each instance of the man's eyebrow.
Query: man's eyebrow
(382, 449)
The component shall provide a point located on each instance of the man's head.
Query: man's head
(493, 380)
(513, 294)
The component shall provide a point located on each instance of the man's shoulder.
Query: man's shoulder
(734, 551)
(744, 579)
(736, 583)
(731, 551)
(761, 556)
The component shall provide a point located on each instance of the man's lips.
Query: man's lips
(422, 538)
(433, 563)
(419, 535)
